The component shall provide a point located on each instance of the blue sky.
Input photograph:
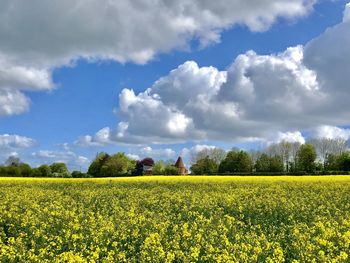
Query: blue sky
(77, 93)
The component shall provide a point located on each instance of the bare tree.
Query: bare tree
(323, 147)
(338, 146)
(254, 155)
(326, 146)
(272, 150)
(216, 154)
(285, 149)
(295, 146)
(12, 161)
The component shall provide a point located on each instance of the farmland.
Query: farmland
(176, 219)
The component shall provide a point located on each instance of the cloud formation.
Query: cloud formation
(73, 160)
(257, 96)
(331, 132)
(13, 141)
(38, 36)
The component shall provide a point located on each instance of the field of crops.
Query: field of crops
(175, 219)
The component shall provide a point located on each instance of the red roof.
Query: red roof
(179, 163)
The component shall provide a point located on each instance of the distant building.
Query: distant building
(144, 167)
(181, 166)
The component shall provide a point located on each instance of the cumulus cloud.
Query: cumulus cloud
(247, 102)
(60, 30)
(12, 102)
(156, 153)
(329, 56)
(16, 78)
(295, 90)
(73, 160)
(332, 132)
(346, 17)
(39, 36)
(13, 141)
(289, 136)
(189, 152)
(133, 156)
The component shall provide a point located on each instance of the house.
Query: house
(181, 166)
(143, 167)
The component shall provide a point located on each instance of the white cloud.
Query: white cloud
(73, 160)
(39, 36)
(148, 151)
(133, 156)
(258, 95)
(332, 132)
(23, 77)
(12, 102)
(189, 152)
(346, 17)
(13, 79)
(329, 56)
(249, 101)
(292, 137)
(12, 141)
(60, 30)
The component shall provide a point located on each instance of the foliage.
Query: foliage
(266, 164)
(343, 161)
(158, 168)
(45, 170)
(262, 164)
(175, 219)
(306, 158)
(116, 165)
(78, 174)
(16, 170)
(171, 170)
(25, 169)
(215, 154)
(96, 165)
(236, 162)
(164, 168)
(204, 166)
(59, 170)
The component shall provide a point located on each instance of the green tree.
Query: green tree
(276, 164)
(35, 172)
(116, 165)
(343, 161)
(263, 163)
(25, 169)
(216, 154)
(45, 170)
(59, 170)
(171, 170)
(331, 162)
(204, 166)
(13, 171)
(96, 165)
(306, 158)
(236, 162)
(159, 167)
(78, 174)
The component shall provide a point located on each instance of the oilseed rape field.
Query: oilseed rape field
(176, 219)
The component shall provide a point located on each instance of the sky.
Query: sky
(158, 78)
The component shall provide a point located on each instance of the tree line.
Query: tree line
(317, 156)
(13, 167)
(104, 165)
(119, 164)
